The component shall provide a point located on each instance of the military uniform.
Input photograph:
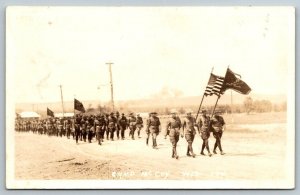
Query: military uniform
(139, 124)
(204, 131)
(68, 128)
(123, 125)
(153, 128)
(173, 129)
(118, 128)
(83, 130)
(112, 124)
(189, 131)
(132, 121)
(218, 123)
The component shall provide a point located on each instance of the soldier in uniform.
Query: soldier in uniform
(90, 128)
(98, 129)
(188, 129)
(102, 123)
(218, 126)
(173, 127)
(118, 128)
(68, 127)
(153, 128)
(106, 128)
(112, 125)
(139, 124)
(59, 127)
(83, 129)
(132, 125)
(123, 125)
(204, 131)
(147, 129)
(77, 127)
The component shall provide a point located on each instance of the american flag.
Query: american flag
(214, 85)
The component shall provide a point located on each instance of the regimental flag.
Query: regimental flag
(214, 85)
(78, 106)
(50, 112)
(235, 83)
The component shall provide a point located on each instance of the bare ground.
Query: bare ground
(252, 152)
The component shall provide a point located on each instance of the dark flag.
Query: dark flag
(78, 106)
(50, 112)
(235, 83)
(214, 85)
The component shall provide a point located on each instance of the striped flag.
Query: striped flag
(214, 85)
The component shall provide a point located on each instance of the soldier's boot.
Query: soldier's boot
(175, 153)
(222, 153)
(215, 147)
(188, 152)
(147, 141)
(191, 150)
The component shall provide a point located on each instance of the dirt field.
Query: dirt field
(254, 146)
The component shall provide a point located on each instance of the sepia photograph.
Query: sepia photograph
(175, 97)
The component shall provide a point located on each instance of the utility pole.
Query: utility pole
(111, 86)
(62, 101)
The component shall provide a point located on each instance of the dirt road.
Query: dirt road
(252, 152)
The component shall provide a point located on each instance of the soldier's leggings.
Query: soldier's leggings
(90, 135)
(111, 131)
(83, 131)
(147, 139)
(205, 145)
(107, 132)
(132, 130)
(190, 138)
(98, 136)
(118, 131)
(154, 135)
(174, 138)
(218, 136)
(68, 133)
(123, 128)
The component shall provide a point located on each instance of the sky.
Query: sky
(152, 49)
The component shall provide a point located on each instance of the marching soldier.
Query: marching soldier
(83, 129)
(132, 121)
(188, 129)
(106, 127)
(147, 130)
(139, 124)
(123, 125)
(77, 128)
(102, 124)
(68, 127)
(153, 128)
(204, 131)
(118, 128)
(173, 127)
(112, 125)
(218, 125)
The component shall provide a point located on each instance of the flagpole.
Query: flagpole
(215, 106)
(199, 107)
(203, 96)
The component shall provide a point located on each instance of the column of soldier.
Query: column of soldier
(101, 126)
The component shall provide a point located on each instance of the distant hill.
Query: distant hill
(148, 104)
